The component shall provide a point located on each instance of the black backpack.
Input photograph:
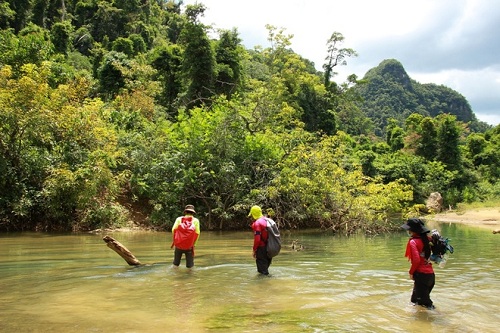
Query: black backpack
(439, 246)
(273, 245)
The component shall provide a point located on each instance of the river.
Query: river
(75, 283)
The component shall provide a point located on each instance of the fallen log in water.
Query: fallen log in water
(121, 250)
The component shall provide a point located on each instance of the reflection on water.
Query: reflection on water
(74, 283)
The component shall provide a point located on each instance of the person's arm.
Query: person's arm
(196, 230)
(414, 257)
(257, 234)
(256, 240)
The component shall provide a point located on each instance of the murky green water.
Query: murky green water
(75, 283)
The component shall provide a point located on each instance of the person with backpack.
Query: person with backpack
(418, 252)
(186, 232)
(259, 227)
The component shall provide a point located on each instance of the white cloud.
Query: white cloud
(454, 42)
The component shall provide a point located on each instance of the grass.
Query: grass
(461, 207)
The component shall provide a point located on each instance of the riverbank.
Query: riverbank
(487, 217)
(484, 217)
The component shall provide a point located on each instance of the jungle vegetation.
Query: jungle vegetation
(120, 110)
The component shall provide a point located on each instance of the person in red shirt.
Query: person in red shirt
(259, 227)
(418, 251)
(188, 251)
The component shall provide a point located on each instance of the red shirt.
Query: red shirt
(415, 253)
(259, 228)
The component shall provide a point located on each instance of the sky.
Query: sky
(455, 43)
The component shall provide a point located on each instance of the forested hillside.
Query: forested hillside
(119, 110)
(388, 92)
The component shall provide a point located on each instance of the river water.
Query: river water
(75, 283)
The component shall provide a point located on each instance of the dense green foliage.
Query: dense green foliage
(126, 109)
(389, 92)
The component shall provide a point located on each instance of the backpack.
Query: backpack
(273, 245)
(439, 246)
(185, 235)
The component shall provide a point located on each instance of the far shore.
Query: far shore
(488, 218)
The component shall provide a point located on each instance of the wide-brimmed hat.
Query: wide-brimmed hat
(415, 225)
(190, 209)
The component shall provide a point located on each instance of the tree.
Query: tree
(228, 56)
(7, 15)
(21, 9)
(317, 113)
(485, 155)
(335, 56)
(194, 12)
(168, 64)
(110, 74)
(427, 146)
(353, 121)
(198, 64)
(174, 21)
(397, 138)
(123, 45)
(60, 35)
(31, 46)
(476, 143)
(139, 45)
(83, 41)
(107, 22)
(314, 186)
(83, 13)
(56, 154)
(40, 12)
(366, 158)
(131, 8)
(395, 135)
(448, 135)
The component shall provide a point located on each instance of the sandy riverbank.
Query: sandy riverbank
(481, 217)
